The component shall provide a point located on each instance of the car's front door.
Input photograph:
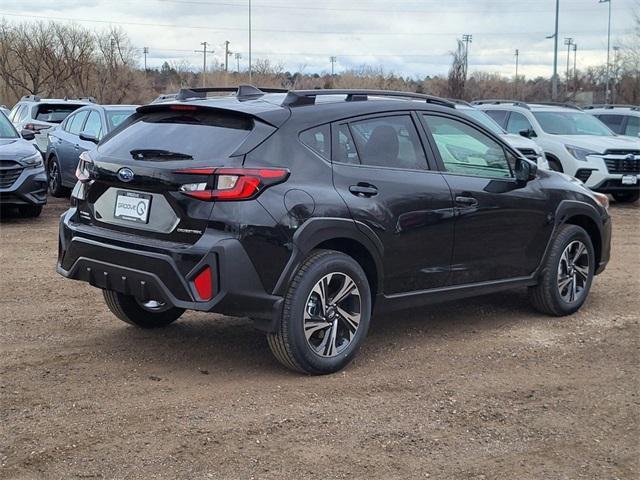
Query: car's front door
(382, 173)
(502, 225)
(69, 146)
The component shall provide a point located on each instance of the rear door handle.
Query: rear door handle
(363, 190)
(467, 201)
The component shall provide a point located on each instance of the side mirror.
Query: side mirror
(28, 134)
(525, 170)
(528, 133)
(88, 137)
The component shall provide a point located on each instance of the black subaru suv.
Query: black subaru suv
(308, 211)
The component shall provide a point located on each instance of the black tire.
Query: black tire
(547, 296)
(54, 177)
(130, 311)
(289, 343)
(29, 211)
(626, 197)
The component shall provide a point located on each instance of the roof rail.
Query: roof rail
(243, 92)
(298, 98)
(88, 99)
(560, 104)
(457, 101)
(34, 98)
(497, 101)
(610, 106)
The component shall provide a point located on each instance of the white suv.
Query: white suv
(622, 119)
(575, 143)
(41, 114)
(526, 147)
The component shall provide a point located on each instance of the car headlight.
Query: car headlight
(32, 161)
(580, 153)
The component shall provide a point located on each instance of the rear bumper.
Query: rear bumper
(30, 188)
(164, 271)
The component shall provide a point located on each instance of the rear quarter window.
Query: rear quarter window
(318, 139)
(197, 135)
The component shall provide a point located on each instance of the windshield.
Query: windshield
(116, 117)
(6, 129)
(485, 120)
(571, 123)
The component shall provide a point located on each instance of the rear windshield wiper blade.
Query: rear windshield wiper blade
(147, 153)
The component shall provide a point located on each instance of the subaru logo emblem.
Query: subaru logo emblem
(631, 157)
(125, 174)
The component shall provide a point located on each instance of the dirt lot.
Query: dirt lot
(479, 389)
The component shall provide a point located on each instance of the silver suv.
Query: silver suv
(575, 143)
(41, 114)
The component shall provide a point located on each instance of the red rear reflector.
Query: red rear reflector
(183, 107)
(204, 284)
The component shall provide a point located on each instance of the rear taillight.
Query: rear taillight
(232, 184)
(82, 170)
(35, 127)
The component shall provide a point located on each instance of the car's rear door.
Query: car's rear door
(381, 171)
(502, 225)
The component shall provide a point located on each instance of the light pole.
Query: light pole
(145, 50)
(333, 60)
(249, 41)
(606, 88)
(575, 71)
(516, 83)
(204, 52)
(238, 56)
(467, 39)
(568, 42)
(554, 78)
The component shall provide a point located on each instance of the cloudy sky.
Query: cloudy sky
(410, 37)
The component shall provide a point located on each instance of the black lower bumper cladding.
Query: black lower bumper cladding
(166, 274)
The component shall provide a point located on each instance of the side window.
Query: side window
(614, 122)
(23, 114)
(14, 112)
(74, 126)
(389, 142)
(467, 151)
(93, 125)
(500, 116)
(517, 123)
(317, 139)
(633, 127)
(345, 151)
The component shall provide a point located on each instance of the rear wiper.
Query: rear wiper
(147, 153)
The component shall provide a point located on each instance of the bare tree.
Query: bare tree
(456, 79)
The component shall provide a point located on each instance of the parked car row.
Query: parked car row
(576, 143)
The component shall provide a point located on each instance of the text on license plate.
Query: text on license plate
(629, 180)
(132, 206)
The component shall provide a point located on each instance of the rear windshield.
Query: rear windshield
(54, 112)
(116, 117)
(197, 135)
(6, 128)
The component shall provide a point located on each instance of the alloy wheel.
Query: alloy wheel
(332, 314)
(53, 175)
(573, 271)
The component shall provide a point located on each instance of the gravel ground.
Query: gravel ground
(477, 389)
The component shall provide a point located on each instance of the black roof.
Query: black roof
(275, 106)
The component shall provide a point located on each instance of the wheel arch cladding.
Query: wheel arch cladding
(591, 227)
(360, 254)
